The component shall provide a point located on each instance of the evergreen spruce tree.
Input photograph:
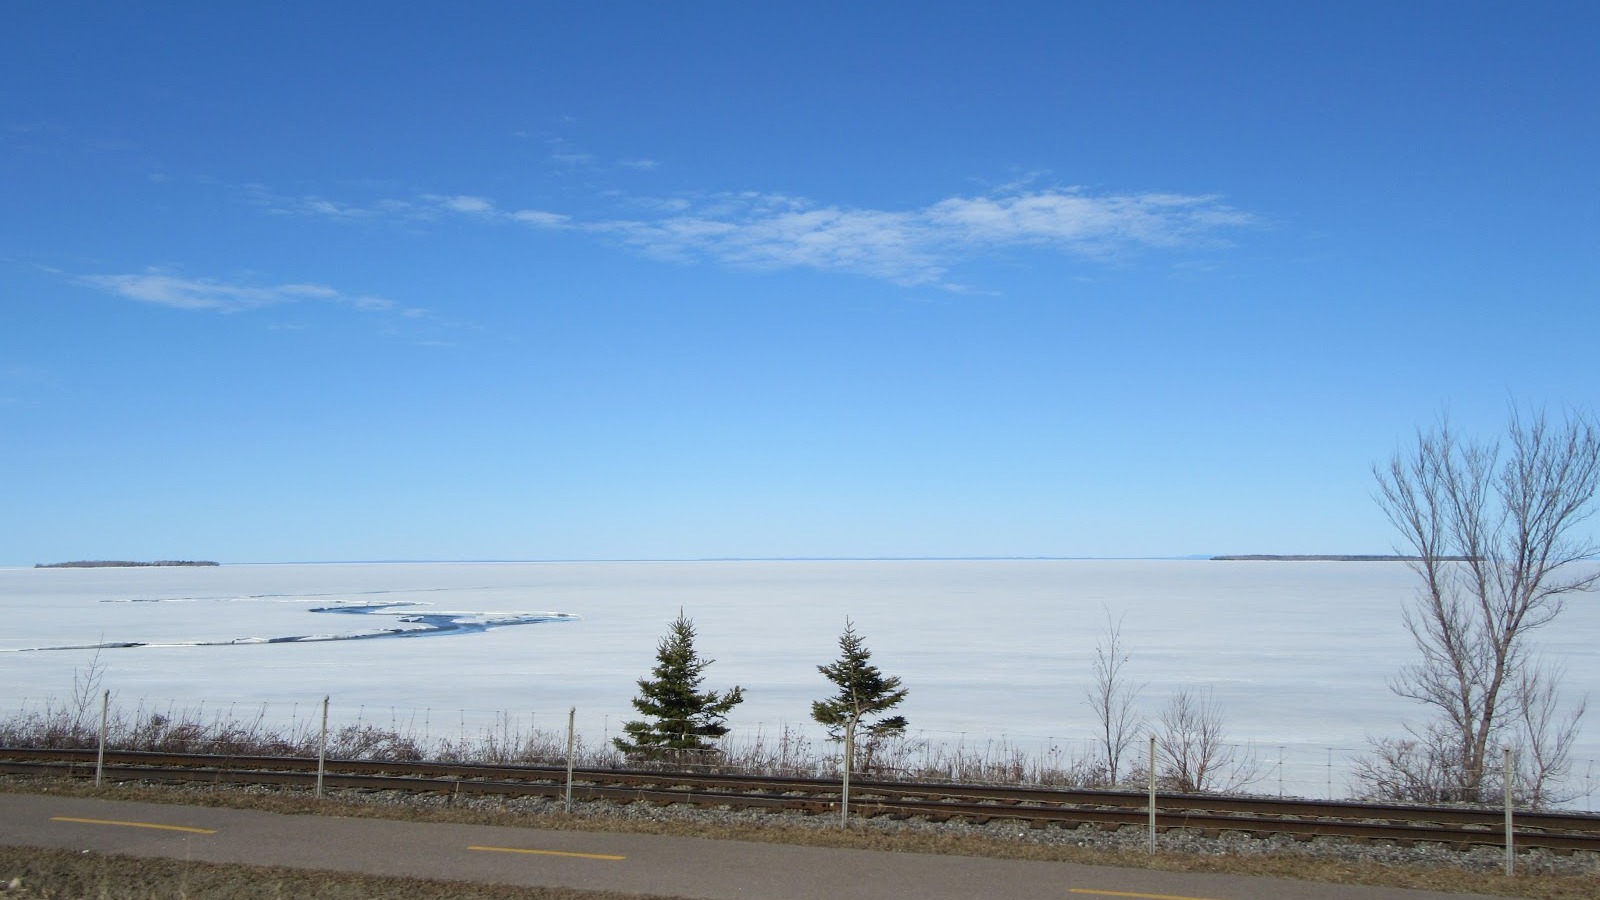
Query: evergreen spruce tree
(679, 716)
(864, 691)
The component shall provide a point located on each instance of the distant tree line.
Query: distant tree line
(1333, 557)
(122, 563)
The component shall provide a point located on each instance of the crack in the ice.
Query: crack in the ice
(429, 624)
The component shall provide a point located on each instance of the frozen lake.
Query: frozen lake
(1297, 654)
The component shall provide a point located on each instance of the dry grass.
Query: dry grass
(67, 875)
(245, 731)
(1444, 878)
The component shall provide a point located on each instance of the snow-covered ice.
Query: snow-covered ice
(1297, 654)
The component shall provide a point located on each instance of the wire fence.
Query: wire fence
(540, 737)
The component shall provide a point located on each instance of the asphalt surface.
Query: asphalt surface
(644, 864)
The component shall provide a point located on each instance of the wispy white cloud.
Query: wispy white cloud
(161, 288)
(917, 246)
(1083, 223)
(463, 204)
(889, 245)
(321, 207)
(423, 208)
(666, 204)
(540, 218)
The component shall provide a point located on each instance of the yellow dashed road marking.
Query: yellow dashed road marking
(547, 852)
(1127, 894)
(134, 824)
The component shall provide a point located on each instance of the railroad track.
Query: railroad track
(1034, 807)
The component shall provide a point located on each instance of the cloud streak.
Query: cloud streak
(911, 247)
(919, 246)
(176, 292)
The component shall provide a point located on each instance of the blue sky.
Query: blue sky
(639, 280)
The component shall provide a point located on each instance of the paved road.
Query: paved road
(687, 867)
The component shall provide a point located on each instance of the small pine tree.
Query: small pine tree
(863, 691)
(680, 718)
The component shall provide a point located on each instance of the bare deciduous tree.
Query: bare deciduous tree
(1422, 768)
(1112, 697)
(1193, 754)
(1495, 529)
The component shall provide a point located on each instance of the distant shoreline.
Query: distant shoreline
(123, 564)
(1337, 557)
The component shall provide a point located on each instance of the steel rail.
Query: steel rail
(1467, 816)
(1035, 807)
(1033, 816)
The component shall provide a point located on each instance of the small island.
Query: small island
(123, 564)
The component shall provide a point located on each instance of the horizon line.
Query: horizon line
(978, 558)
